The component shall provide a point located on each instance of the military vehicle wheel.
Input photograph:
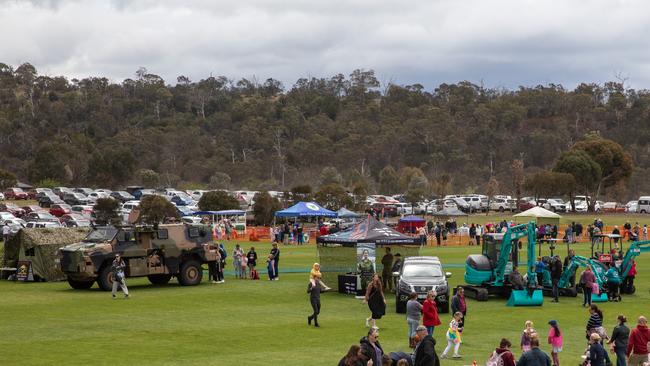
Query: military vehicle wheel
(191, 273)
(159, 279)
(80, 285)
(105, 279)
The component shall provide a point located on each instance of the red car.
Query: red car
(16, 194)
(59, 210)
(13, 209)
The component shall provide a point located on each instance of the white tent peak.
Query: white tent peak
(538, 212)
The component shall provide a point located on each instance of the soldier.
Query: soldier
(365, 269)
(118, 276)
(386, 274)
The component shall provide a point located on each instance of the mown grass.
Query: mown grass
(259, 322)
(245, 322)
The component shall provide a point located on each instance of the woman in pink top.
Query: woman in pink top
(555, 340)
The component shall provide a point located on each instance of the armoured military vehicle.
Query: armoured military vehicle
(159, 253)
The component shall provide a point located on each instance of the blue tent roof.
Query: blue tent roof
(303, 209)
(411, 218)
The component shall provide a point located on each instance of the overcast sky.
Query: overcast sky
(500, 43)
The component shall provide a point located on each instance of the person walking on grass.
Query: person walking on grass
(587, 280)
(453, 336)
(430, 317)
(314, 289)
(119, 279)
(425, 352)
(534, 356)
(413, 314)
(459, 305)
(619, 340)
(370, 346)
(375, 300)
(597, 355)
(555, 340)
(252, 260)
(637, 346)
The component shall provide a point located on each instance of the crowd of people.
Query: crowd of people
(629, 346)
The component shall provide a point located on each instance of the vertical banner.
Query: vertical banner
(24, 271)
(365, 264)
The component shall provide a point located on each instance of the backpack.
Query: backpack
(495, 360)
(255, 275)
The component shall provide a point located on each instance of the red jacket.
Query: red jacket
(639, 338)
(430, 314)
(507, 356)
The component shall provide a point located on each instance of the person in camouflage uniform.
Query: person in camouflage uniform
(365, 269)
(119, 279)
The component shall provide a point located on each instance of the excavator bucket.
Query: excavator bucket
(522, 298)
(602, 297)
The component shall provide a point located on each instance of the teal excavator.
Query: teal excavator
(597, 267)
(635, 249)
(486, 273)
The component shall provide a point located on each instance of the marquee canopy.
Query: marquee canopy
(368, 230)
(305, 209)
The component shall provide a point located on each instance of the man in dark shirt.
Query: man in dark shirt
(556, 274)
(386, 274)
(275, 252)
(534, 357)
(425, 353)
(314, 289)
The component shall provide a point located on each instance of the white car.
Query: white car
(7, 216)
(43, 224)
(2, 196)
(581, 206)
(94, 196)
(196, 194)
(503, 204)
(631, 206)
(128, 206)
(554, 205)
(15, 225)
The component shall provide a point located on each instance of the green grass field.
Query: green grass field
(245, 322)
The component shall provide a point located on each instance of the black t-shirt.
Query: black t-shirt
(252, 257)
(275, 252)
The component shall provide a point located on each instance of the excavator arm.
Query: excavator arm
(580, 261)
(511, 235)
(634, 250)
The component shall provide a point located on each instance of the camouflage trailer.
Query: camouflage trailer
(158, 253)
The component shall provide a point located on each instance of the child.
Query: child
(555, 340)
(270, 267)
(527, 335)
(453, 336)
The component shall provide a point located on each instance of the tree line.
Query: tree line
(348, 133)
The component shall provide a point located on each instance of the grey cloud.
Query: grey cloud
(504, 43)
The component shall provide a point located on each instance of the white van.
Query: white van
(643, 205)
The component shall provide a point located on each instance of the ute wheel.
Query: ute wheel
(191, 273)
(501, 209)
(643, 211)
(105, 279)
(80, 285)
(159, 279)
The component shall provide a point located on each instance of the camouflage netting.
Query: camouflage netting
(41, 247)
(336, 259)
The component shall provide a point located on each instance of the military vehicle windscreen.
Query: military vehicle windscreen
(101, 234)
